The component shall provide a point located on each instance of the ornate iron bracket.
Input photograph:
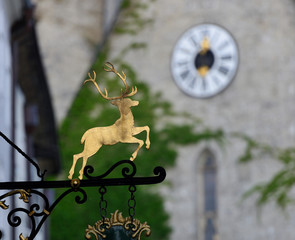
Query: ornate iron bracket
(38, 213)
(39, 174)
(127, 179)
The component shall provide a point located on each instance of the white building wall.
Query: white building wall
(259, 103)
(10, 11)
(5, 89)
(5, 105)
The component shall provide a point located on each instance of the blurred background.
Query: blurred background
(229, 157)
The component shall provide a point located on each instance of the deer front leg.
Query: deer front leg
(137, 130)
(134, 140)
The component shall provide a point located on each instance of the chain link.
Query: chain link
(132, 202)
(103, 204)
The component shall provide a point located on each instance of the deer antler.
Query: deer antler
(133, 92)
(92, 79)
(111, 68)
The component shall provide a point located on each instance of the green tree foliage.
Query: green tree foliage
(279, 187)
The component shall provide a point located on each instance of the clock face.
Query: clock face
(204, 60)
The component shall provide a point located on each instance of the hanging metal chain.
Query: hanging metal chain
(132, 202)
(103, 204)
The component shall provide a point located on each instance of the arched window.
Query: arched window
(209, 175)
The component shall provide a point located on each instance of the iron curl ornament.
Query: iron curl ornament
(37, 206)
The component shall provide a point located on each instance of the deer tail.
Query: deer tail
(84, 137)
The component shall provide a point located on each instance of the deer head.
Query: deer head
(110, 68)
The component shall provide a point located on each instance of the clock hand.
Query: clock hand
(205, 47)
(203, 70)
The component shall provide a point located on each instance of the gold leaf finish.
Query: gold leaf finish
(205, 47)
(24, 195)
(21, 237)
(122, 131)
(99, 229)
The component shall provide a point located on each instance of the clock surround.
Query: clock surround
(204, 60)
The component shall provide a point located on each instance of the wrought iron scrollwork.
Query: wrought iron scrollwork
(126, 172)
(38, 212)
(159, 173)
(117, 226)
(24, 195)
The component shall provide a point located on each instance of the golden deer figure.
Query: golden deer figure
(123, 130)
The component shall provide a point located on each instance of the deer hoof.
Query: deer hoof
(131, 158)
(70, 177)
(81, 176)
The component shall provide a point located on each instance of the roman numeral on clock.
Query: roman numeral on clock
(193, 82)
(226, 57)
(204, 84)
(216, 80)
(223, 70)
(185, 50)
(184, 74)
(223, 45)
(194, 41)
(183, 63)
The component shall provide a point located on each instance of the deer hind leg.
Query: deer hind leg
(75, 159)
(87, 154)
(137, 130)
